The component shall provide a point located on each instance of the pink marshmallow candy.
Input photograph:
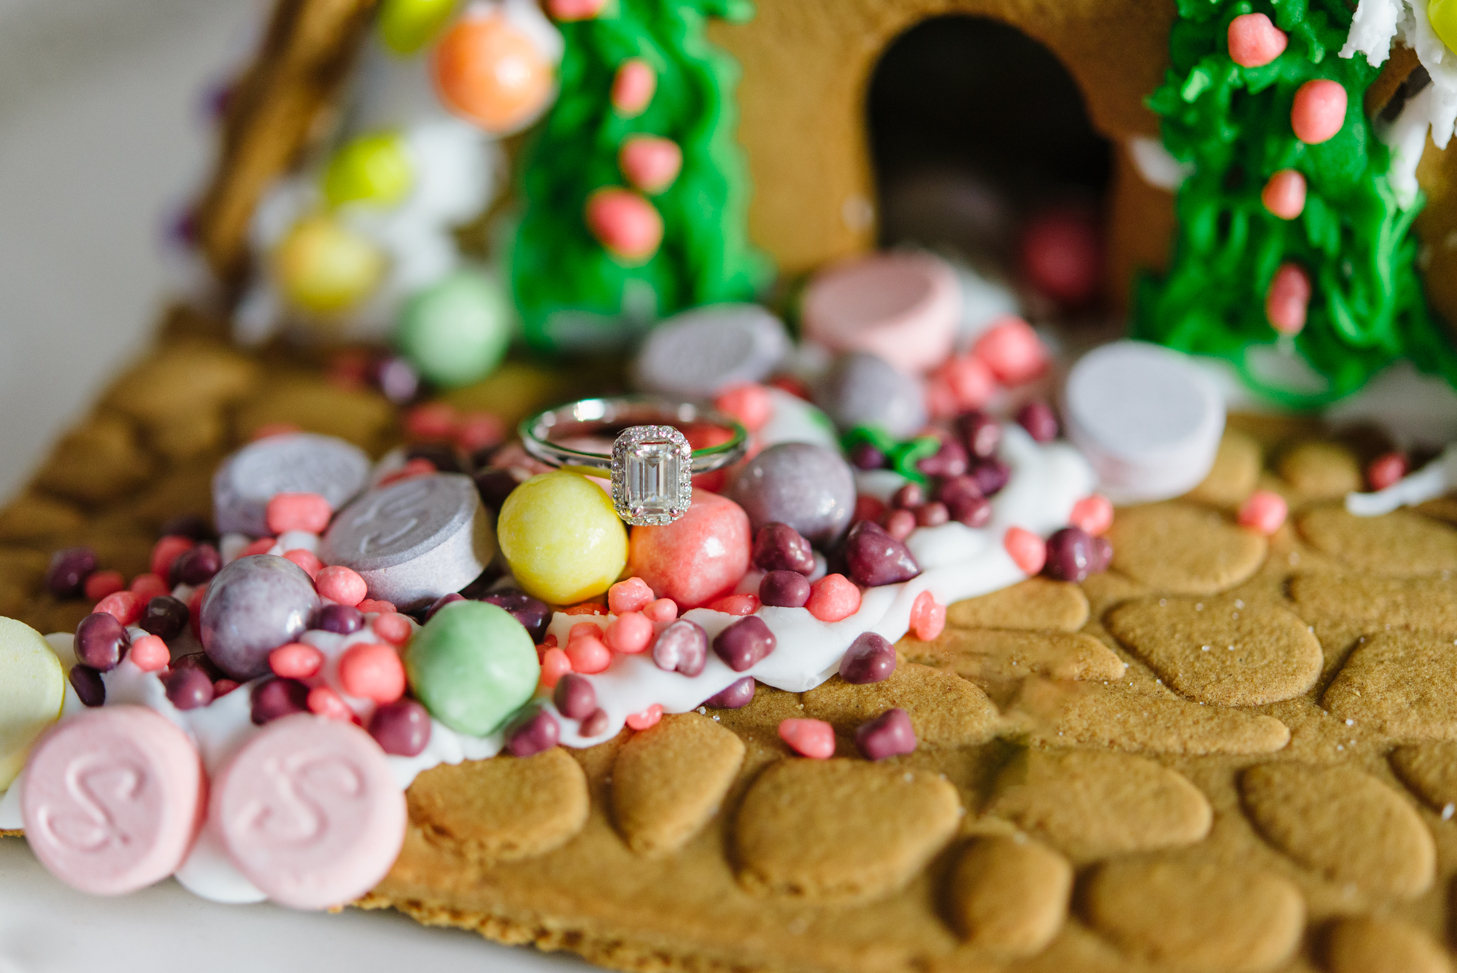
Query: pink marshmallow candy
(341, 584)
(809, 738)
(903, 307)
(1012, 350)
(1284, 194)
(1254, 41)
(1319, 111)
(633, 87)
(113, 799)
(1288, 299)
(1027, 549)
(624, 223)
(650, 163)
(309, 812)
(1263, 512)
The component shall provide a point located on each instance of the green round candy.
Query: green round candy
(405, 26)
(472, 665)
(372, 168)
(455, 331)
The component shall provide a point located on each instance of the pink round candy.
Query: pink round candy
(928, 618)
(1061, 255)
(167, 550)
(970, 382)
(588, 654)
(633, 87)
(1254, 41)
(372, 670)
(902, 307)
(749, 403)
(1319, 111)
(113, 799)
(568, 10)
(698, 556)
(650, 163)
(324, 702)
(298, 511)
(307, 560)
(663, 610)
(392, 627)
(1384, 471)
(629, 633)
(1288, 299)
(296, 660)
(1264, 512)
(341, 584)
(1028, 551)
(1284, 194)
(124, 605)
(1093, 514)
(809, 738)
(309, 812)
(149, 586)
(624, 223)
(1012, 350)
(832, 598)
(149, 653)
(554, 665)
(647, 718)
(630, 595)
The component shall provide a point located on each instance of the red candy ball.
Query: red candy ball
(1062, 255)
(697, 557)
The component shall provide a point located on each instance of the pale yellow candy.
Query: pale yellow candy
(324, 267)
(32, 687)
(1443, 15)
(561, 537)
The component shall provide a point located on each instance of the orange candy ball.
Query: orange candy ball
(488, 71)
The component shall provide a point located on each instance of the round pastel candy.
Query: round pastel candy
(472, 665)
(32, 686)
(698, 556)
(405, 26)
(373, 168)
(113, 799)
(904, 307)
(1319, 111)
(810, 488)
(627, 225)
(698, 353)
(650, 163)
(1147, 420)
(1443, 16)
(861, 389)
(456, 330)
(492, 73)
(253, 606)
(323, 267)
(1255, 41)
(414, 540)
(291, 463)
(562, 538)
(309, 811)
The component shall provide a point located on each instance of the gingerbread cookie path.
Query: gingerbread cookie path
(1094, 790)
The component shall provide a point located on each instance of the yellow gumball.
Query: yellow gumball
(1443, 15)
(323, 267)
(32, 687)
(561, 537)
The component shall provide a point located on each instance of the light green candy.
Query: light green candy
(455, 331)
(405, 26)
(374, 168)
(472, 665)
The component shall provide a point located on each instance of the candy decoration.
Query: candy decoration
(554, 665)
(1254, 41)
(341, 585)
(103, 583)
(633, 87)
(1284, 194)
(339, 619)
(809, 738)
(629, 633)
(324, 268)
(374, 169)
(533, 614)
(626, 225)
(1093, 514)
(372, 670)
(630, 595)
(297, 511)
(1070, 555)
(681, 647)
(1012, 350)
(1264, 512)
(739, 694)
(492, 73)
(32, 686)
(1385, 470)
(745, 643)
(1026, 549)
(562, 538)
(252, 607)
(646, 719)
(888, 735)
(832, 598)
(588, 654)
(148, 587)
(401, 728)
(873, 557)
(1442, 14)
(574, 697)
(901, 307)
(149, 654)
(928, 617)
(1288, 299)
(101, 640)
(455, 331)
(869, 659)
(309, 812)
(276, 698)
(696, 557)
(472, 665)
(784, 589)
(296, 660)
(810, 488)
(188, 688)
(569, 10)
(324, 701)
(1061, 254)
(1319, 111)
(650, 163)
(90, 690)
(405, 26)
(532, 733)
(69, 568)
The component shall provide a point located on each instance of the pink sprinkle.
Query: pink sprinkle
(549, 642)
(371, 605)
(569, 10)
(629, 596)
(650, 163)
(940, 400)
(1027, 549)
(326, 703)
(1263, 512)
(1012, 350)
(222, 687)
(662, 610)
(307, 560)
(900, 523)
(741, 604)
(1386, 470)
(633, 87)
(809, 738)
(273, 429)
(261, 546)
(431, 420)
(479, 430)
(626, 225)
(648, 717)
(167, 550)
(588, 654)
(103, 583)
(372, 670)
(868, 508)
(391, 626)
(340, 584)
(554, 665)
(149, 653)
(1319, 111)
(833, 598)
(149, 586)
(1093, 514)
(928, 618)
(969, 380)
(1284, 194)
(629, 633)
(413, 468)
(126, 606)
(1288, 299)
(751, 404)
(296, 660)
(1254, 41)
(298, 511)
(584, 630)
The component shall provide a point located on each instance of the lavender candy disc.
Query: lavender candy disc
(253, 606)
(702, 351)
(290, 463)
(414, 540)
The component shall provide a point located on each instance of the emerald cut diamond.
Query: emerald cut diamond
(651, 475)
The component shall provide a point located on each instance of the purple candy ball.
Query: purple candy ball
(870, 658)
(784, 589)
(867, 457)
(888, 735)
(991, 475)
(188, 687)
(100, 641)
(779, 547)
(1070, 555)
(980, 434)
(533, 613)
(932, 514)
(594, 724)
(809, 487)
(278, 698)
(971, 511)
(401, 728)
(908, 497)
(196, 565)
(165, 617)
(949, 460)
(339, 619)
(68, 571)
(88, 685)
(574, 697)
(739, 694)
(744, 643)
(253, 606)
(681, 647)
(875, 558)
(533, 732)
(1039, 420)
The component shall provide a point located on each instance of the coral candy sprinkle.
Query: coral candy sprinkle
(648, 717)
(809, 738)
(1027, 549)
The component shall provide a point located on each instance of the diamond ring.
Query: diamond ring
(651, 462)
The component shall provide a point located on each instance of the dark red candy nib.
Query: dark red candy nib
(874, 558)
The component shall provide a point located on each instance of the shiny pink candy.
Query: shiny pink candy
(340, 584)
(1027, 549)
(113, 799)
(903, 307)
(624, 223)
(650, 163)
(633, 87)
(1012, 350)
(1284, 194)
(568, 10)
(1319, 111)
(698, 556)
(630, 595)
(1093, 514)
(298, 511)
(1263, 512)
(809, 738)
(1288, 299)
(832, 598)
(1254, 41)
(309, 812)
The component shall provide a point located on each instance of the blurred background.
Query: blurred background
(105, 130)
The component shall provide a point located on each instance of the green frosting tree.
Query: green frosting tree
(573, 294)
(1231, 124)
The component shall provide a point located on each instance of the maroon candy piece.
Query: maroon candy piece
(739, 694)
(1039, 420)
(277, 698)
(873, 557)
(779, 547)
(681, 647)
(339, 619)
(867, 457)
(888, 735)
(949, 460)
(932, 514)
(1070, 555)
(991, 475)
(899, 524)
(441, 602)
(165, 617)
(908, 497)
(101, 641)
(533, 613)
(870, 658)
(196, 565)
(594, 724)
(971, 511)
(495, 485)
(955, 488)
(198, 660)
(88, 685)
(980, 434)
(191, 526)
(744, 643)
(574, 697)
(68, 571)
(532, 732)
(401, 728)
(784, 589)
(188, 687)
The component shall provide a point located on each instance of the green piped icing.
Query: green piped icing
(571, 293)
(1232, 125)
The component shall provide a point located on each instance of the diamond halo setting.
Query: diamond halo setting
(652, 469)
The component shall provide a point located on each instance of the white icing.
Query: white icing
(1154, 163)
(1377, 23)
